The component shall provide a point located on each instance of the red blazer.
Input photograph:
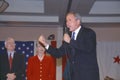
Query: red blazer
(40, 70)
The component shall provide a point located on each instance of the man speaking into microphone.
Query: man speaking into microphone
(81, 47)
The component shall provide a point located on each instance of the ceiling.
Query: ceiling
(52, 12)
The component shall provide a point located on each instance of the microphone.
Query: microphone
(41, 44)
(66, 30)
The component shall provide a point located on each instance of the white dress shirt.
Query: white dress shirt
(76, 32)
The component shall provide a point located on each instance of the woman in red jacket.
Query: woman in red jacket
(41, 66)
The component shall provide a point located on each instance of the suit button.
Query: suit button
(40, 67)
(40, 71)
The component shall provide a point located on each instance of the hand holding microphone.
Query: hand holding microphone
(66, 38)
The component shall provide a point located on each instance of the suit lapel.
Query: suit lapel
(79, 33)
(6, 62)
(13, 61)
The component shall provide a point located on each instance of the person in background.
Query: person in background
(40, 66)
(80, 48)
(12, 64)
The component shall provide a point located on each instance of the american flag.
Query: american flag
(23, 47)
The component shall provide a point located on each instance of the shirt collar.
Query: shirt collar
(76, 31)
(11, 52)
(41, 58)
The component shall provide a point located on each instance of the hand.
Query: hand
(66, 38)
(42, 40)
(11, 76)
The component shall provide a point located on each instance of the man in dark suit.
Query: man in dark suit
(81, 49)
(12, 64)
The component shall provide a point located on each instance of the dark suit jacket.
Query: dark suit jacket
(82, 55)
(18, 66)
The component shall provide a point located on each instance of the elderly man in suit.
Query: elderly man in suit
(80, 47)
(12, 64)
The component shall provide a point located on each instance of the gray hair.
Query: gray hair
(9, 38)
(77, 16)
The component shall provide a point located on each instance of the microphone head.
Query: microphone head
(66, 30)
(41, 44)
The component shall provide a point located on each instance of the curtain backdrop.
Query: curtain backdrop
(54, 43)
(108, 54)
